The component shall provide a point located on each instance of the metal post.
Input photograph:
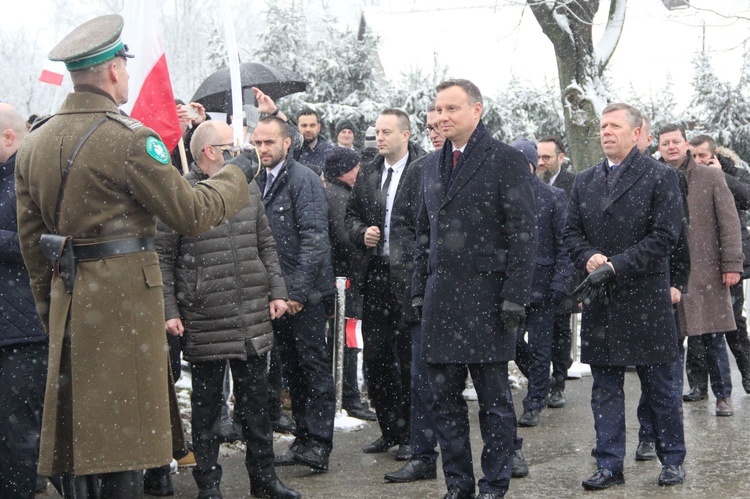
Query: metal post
(340, 339)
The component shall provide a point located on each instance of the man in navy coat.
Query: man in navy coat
(624, 220)
(472, 277)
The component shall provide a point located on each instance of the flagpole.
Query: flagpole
(234, 72)
(183, 155)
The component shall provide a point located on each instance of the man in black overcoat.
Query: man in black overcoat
(624, 220)
(472, 277)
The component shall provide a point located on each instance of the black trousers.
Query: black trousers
(561, 342)
(250, 392)
(738, 341)
(497, 421)
(387, 353)
(307, 368)
(23, 376)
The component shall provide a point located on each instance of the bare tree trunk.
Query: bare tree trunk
(568, 23)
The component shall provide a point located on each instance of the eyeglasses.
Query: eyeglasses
(230, 148)
(545, 158)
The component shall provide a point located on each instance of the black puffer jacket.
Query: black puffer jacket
(297, 209)
(19, 322)
(220, 283)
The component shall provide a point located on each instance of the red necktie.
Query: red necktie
(456, 155)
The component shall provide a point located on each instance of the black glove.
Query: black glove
(557, 297)
(416, 309)
(248, 163)
(598, 286)
(513, 315)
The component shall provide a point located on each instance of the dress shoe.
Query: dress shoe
(403, 453)
(313, 454)
(273, 489)
(210, 493)
(456, 493)
(158, 482)
(287, 458)
(379, 446)
(695, 394)
(519, 469)
(284, 424)
(603, 479)
(671, 475)
(646, 451)
(529, 418)
(724, 407)
(414, 470)
(362, 413)
(556, 399)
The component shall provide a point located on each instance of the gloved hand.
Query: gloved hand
(599, 286)
(513, 315)
(416, 309)
(248, 162)
(557, 297)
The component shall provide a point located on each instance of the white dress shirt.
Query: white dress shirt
(398, 169)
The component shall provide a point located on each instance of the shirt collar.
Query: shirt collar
(399, 165)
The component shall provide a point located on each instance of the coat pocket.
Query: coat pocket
(152, 274)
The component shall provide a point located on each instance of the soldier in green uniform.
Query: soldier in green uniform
(106, 409)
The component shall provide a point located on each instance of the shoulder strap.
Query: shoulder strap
(66, 170)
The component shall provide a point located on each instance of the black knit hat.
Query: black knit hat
(346, 123)
(340, 160)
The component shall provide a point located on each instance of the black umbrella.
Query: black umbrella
(215, 94)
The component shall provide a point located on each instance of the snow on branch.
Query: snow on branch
(608, 42)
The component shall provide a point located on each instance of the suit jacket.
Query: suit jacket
(553, 270)
(565, 181)
(365, 209)
(636, 225)
(477, 245)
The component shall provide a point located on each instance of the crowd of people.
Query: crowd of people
(459, 261)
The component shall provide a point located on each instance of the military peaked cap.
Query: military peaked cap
(93, 42)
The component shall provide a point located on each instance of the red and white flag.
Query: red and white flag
(150, 99)
(353, 333)
(52, 73)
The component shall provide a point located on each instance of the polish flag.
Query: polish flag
(353, 333)
(150, 98)
(53, 73)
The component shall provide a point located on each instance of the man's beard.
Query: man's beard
(544, 175)
(310, 140)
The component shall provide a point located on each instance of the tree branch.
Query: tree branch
(608, 42)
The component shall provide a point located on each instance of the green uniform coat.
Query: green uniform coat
(116, 398)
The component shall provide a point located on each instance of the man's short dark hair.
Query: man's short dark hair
(635, 118)
(673, 127)
(404, 123)
(308, 112)
(283, 125)
(704, 139)
(471, 90)
(559, 146)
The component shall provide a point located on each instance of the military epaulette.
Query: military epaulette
(127, 121)
(41, 120)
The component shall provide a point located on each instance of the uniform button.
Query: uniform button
(440, 270)
(442, 212)
(440, 240)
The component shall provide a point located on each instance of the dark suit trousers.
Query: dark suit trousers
(533, 358)
(423, 438)
(387, 353)
(707, 358)
(561, 343)
(738, 341)
(307, 368)
(608, 405)
(250, 392)
(497, 422)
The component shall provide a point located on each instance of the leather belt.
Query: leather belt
(97, 251)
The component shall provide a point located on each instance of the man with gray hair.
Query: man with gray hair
(624, 221)
(23, 344)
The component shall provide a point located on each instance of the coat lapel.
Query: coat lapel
(633, 171)
(470, 162)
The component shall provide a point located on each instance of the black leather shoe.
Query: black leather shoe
(361, 412)
(456, 493)
(379, 446)
(603, 479)
(274, 490)
(695, 394)
(520, 469)
(287, 458)
(556, 399)
(210, 493)
(671, 475)
(529, 418)
(403, 453)
(284, 424)
(158, 482)
(646, 451)
(414, 470)
(314, 455)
